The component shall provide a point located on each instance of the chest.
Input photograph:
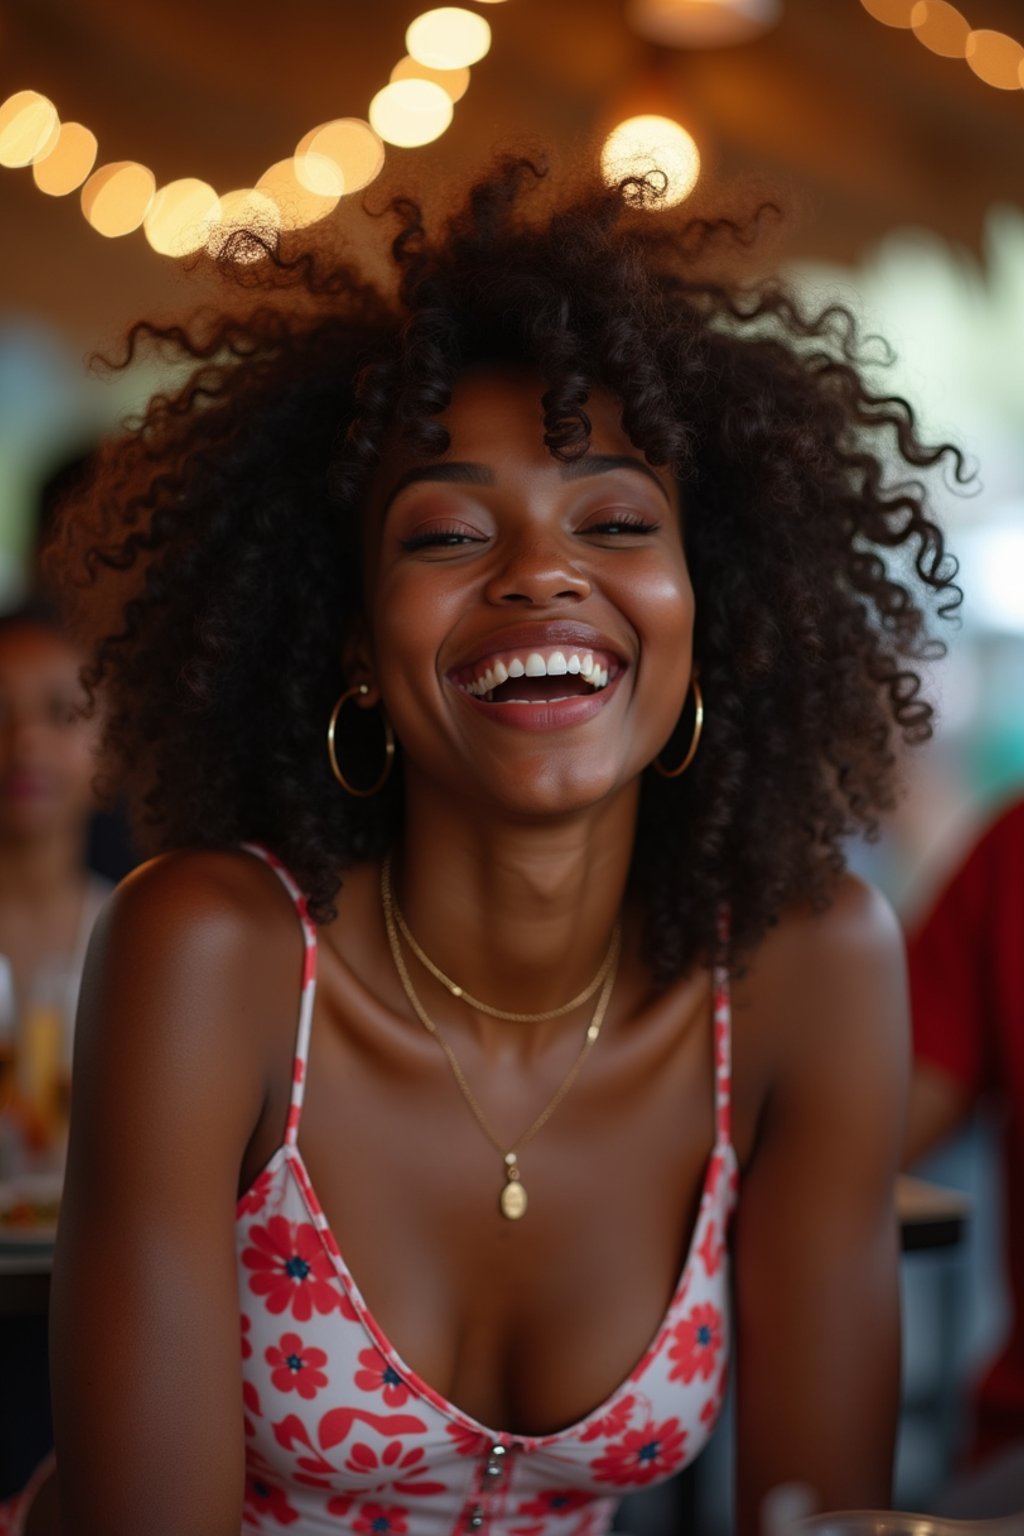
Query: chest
(530, 1322)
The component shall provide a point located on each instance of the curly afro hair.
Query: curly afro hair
(220, 536)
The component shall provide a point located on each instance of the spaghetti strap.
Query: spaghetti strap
(308, 987)
(723, 1034)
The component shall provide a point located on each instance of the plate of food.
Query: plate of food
(28, 1209)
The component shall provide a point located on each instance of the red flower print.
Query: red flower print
(246, 1346)
(697, 1341)
(290, 1269)
(468, 1442)
(710, 1250)
(296, 1367)
(557, 1501)
(378, 1376)
(610, 1424)
(375, 1517)
(255, 1197)
(655, 1450)
(401, 1464)
(263, 1496)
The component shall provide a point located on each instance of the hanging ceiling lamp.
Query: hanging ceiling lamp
(701, 23)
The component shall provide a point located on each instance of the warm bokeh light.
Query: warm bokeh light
(29, 125)
(180, 217)
(448, 38)
(701, 23)
(650, 145)
(940, 27)
(454, 81)
(68, 163)
(339, 157)
(894, 13)
(245, 212)
(116, 198)
(411, 112)
(297, 205)
(996, 59)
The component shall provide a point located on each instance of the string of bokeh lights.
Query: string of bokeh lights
(995, 57)
(329, 162)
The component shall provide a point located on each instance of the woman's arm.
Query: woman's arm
(816, 1241)
(189, 964)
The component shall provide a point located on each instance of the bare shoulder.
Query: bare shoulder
(823, 1008)
(198, 955)
(857, 928)
(190, 888)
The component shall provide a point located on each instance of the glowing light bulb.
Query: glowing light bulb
(68, 163)
(940, 27)
(116, 198)
(180, 217)
(29, 125)
(448, 38)
(339, 157)
(454, 81)
(892, 13)
(656, 147)
(996, 59)
(411, 112)
(297, 205)
(247, 227)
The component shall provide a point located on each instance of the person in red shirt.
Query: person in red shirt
(967, 999)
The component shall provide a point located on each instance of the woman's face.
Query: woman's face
(47, 754)
(530, 622)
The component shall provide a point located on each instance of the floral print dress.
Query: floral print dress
(341, 1436)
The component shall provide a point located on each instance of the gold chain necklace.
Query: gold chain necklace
(512, 1202)
(502, 1013)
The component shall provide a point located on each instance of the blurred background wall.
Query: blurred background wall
(891, 133)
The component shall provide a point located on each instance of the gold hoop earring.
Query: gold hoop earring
(360, 690)
(698, 726)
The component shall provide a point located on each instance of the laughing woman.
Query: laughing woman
(495, 1044)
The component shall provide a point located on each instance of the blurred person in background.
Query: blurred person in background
(49, 900)
(966, 961)
(49, 897)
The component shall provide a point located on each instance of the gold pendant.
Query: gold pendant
(513, 1197)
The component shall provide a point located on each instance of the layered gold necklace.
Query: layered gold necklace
(512, 1201)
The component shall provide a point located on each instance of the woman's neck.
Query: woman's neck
(519, 914)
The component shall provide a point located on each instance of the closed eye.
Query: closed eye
(440, 538)
(623, 523)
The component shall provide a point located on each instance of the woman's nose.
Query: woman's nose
(538, 571)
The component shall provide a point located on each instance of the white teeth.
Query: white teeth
(536, 665)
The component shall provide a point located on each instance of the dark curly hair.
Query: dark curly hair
(223, 527)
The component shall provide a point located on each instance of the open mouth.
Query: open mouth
(547, 676)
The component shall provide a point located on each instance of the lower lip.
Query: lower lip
(546, 715)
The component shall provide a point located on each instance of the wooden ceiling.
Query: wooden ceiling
(857, 127)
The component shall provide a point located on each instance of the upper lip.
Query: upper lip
(539, 635)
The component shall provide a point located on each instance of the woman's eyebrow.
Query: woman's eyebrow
(461, 472)
(453, 473)
(603, 463)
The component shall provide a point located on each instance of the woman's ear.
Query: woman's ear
(357, 664)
